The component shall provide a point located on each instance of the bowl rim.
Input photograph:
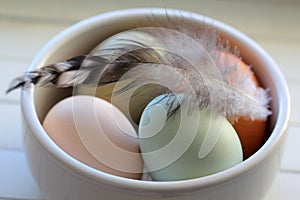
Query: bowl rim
(31, 119)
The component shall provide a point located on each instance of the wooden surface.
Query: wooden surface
(25, 26)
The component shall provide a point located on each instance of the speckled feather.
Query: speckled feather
(189, 53)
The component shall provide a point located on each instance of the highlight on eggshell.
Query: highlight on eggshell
(97, 134)
(252, 133)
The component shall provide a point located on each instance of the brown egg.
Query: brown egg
(251, 133)
(97, 134)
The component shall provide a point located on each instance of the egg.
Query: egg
(171, 146)
(252, 133)
(133, 101)
(97, 134)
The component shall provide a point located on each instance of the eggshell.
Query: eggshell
(252, 133)
(171, 146)
(107, 48)
(97, 134)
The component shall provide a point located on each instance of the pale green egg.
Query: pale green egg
(180, 146)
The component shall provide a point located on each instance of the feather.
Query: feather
(181, 59)
(193, 65)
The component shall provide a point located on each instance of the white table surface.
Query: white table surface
(25, 26)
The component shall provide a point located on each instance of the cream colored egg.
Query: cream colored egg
(171, 146)
(133, 101)
(97, 134)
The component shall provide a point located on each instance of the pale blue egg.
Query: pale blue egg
(191, 143)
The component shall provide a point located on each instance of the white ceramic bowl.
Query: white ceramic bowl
(61, 177)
